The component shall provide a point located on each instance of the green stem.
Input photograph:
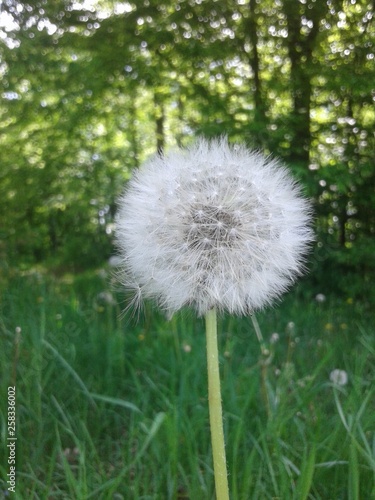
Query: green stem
(214, 402)
(264, 362)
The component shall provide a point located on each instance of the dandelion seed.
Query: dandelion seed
(213, 226)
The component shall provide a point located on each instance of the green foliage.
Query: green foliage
(109, 408)
(89, 93)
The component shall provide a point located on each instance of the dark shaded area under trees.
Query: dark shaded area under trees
(89, 92)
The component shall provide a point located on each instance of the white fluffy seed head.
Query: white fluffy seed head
(212, 226)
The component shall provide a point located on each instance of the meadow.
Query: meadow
(111, 406)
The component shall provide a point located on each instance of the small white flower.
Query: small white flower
(212, 226)
(338, 377)
(275, 337)
(320, 297)
(290, 327)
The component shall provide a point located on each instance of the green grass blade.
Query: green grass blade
(116, 401)
(353, 479)
(306, 477)
(111, 485)
(70, 370)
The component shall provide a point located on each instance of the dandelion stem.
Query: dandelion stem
(214, 402)
(258, 334)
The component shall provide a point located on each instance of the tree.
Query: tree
(89, 93)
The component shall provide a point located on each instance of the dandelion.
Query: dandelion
(338, 377)
(213, 227)
(290, 327)
(186, 348)
(275, 337)
(320, 297)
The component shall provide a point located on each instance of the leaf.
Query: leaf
(116, 401)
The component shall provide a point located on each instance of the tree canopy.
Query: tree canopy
(90, 89)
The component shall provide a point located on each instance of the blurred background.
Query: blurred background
(91, 89)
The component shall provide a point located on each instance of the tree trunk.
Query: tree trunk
(300, 44)
(159, 122)
(255, 64)
(133, 132)
(259, 131)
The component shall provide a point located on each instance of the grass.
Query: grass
(110, 408)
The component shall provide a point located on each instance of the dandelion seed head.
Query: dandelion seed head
(187, 348)
(213, 226)
(320, 297)
(275, 337)
(338, 377)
